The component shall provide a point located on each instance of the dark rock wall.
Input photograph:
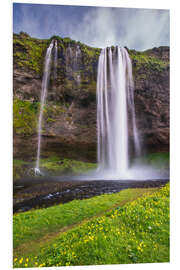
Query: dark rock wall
(151, 79)
(70, 114)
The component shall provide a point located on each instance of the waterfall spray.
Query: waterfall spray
(45, 81)
(115, 98)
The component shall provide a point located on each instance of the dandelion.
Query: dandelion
(21, 260)
(43, 264)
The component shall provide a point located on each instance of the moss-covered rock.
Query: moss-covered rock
(25, 116)
(52, 165)
(63, 165)
(28, 53)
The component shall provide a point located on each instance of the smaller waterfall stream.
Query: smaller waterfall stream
(45, 81)
(77, 64)
(55, 59)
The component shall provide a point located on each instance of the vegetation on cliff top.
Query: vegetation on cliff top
(147, 60)
(28, 53)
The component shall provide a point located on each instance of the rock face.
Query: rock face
(152, 98)
(70, 113)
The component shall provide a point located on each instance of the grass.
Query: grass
(143, 59)
(158, 159)
(29, 52)
(65, 165)
(53, 166)
(137, 231)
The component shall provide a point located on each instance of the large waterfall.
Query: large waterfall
(46, 74)
(115, 112)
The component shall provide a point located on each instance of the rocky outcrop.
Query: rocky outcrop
(70, 114)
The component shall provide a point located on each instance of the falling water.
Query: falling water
(115, 107)
(45, 81)
(77, 63)
(55, 59)
(69, 58)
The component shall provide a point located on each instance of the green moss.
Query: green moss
(67, 40)
(50, 120)
(89, 52)
(144, 60)
(25, 116)
(69, 84)
(62, 45)
(18, 168)
(160, 159)
(53, 111)
(57, 165)
(29, 52)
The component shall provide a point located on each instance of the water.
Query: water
(115, 113)
(69, 59)
(77, 63)
(73, 62)
(45, 81)
(55, 59)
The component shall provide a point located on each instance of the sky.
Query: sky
(138, 29)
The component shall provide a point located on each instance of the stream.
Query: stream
(41, 192)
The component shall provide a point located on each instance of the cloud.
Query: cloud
(138, 29)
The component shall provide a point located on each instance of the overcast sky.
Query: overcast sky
(138, 29)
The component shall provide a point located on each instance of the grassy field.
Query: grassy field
(131, 226)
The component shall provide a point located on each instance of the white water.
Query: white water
(115, 110)
(69, 58)
(55, 59)
(45, 81)
(77, 62)
(73, 62)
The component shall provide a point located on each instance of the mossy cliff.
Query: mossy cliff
(69, 128)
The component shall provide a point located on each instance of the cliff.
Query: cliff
(69, 127)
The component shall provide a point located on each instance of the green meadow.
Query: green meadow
(131, 226)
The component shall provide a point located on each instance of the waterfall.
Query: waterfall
(45, 81)
(77, 63)
(69, 58)
(55, 59)
(115, 112)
